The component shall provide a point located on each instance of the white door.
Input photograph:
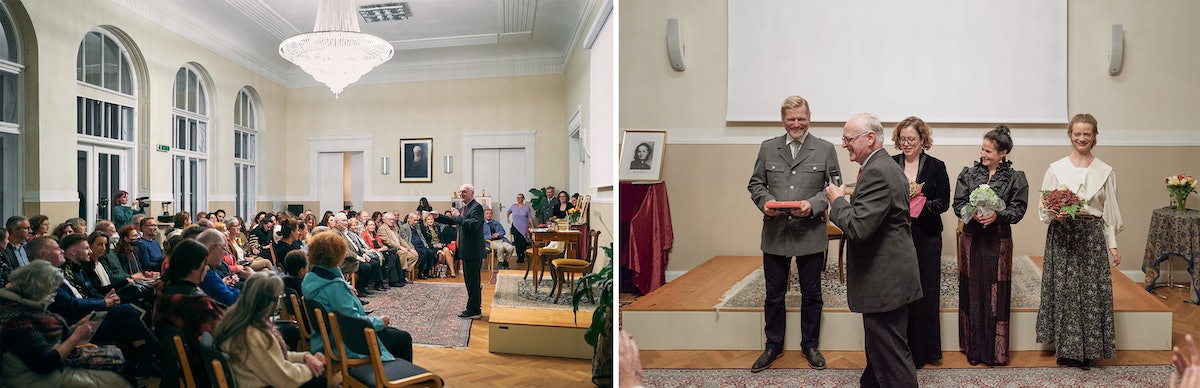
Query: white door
(330, 181)
(101, 172)
(500, 172)
(356, 180)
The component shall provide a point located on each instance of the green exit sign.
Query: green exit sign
(164, 147)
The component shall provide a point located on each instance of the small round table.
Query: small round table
(1173, 234)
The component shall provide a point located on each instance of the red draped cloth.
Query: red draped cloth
(646, 235)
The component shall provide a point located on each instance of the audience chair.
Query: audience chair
(835, 233)
(358, 335)
(334, 363)
(176, 361)
(214, 360)
(565, 266)
(292, 311)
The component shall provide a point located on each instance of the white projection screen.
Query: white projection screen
(948, 61)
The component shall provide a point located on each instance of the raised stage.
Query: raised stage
(549, 331)
(680, 316)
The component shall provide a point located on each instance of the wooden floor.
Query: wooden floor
(1185, 320)
(476, 367)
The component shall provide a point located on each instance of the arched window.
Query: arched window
(104, 122)
(189, 152)
(245, 153)
(10, 128)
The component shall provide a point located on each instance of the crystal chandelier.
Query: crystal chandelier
(336, 53)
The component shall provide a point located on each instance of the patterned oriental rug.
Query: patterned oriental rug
(1109, 376)
(514, 291)
(750, 291)
(427, 311)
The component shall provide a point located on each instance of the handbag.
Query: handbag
(92, 356)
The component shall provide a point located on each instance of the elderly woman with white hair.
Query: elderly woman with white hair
(34, 342)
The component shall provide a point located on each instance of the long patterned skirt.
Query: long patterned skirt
(924, 318)
(984, 289)
(1076, 313)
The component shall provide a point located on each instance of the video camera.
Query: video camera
(142, 204)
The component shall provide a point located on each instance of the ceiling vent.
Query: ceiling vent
(385, 12)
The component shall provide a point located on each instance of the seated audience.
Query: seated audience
(494, 231)
(431, 233)
(61, 230)
(325, 286)
(78, 225)
(126, 252)
(36, 341)
(122, 325)
(219, 283)
(426, 254)
(179, 222)
(14, 252)
(261, 237)
(256, 351)
(295, 266)
(149, 251)
(357, 260)
(184, 305)
(289, 240)
(40, 224)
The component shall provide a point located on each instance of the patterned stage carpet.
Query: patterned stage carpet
(514, 291)
(750, 291)
(427, 311)
(1109, 376)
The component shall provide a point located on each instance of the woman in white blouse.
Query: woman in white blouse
(1076, 313)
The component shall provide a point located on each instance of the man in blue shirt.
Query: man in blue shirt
(220, 289)
(149, 252)
(493, 231)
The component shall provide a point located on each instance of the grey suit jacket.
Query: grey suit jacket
(881, 263)
(777, 176)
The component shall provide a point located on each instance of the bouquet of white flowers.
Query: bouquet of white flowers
(983, 201)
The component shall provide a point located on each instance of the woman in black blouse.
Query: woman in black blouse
(564, 204)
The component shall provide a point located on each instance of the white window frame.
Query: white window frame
(190, 186)
(245, 134)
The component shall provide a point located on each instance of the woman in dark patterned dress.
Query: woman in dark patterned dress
(985, 251)
(1077, 300)
(912, 137)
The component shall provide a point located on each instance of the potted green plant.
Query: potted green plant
(599, 334)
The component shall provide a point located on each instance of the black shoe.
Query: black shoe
(421, 275)
(364, 302)
(380, 287)
(397, 284)
(815, 359)
(368, 311)
(503, 265)
(767, 358)
(470, 315)
(365, 292)
(1086, 364)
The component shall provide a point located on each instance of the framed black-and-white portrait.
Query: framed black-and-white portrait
(642, 155)
(415, 165)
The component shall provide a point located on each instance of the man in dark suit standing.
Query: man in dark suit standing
(793, 167)
(470, 247)
(881, 264)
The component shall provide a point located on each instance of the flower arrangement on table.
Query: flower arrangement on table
(983, 201)
(916, 199)
(1180, 186)
(1061, 201)
(573, 215)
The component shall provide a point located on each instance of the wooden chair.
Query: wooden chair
(358, 335)
(542, 256)
(218, 373)
(333, 362)
(292, 311)
(176, 360)
(565, 266)
(835, 233)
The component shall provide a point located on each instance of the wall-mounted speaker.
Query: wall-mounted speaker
(1116, 49)
(448, 163)
(675, 49)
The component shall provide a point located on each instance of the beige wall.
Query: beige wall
(578, 88)
(59, 27)
(1152, 102)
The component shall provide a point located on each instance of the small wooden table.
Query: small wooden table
(1173, 234)
(539, 237)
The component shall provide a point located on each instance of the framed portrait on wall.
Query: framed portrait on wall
(642, 155)
(414, 160)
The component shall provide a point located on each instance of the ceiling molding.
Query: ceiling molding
(442, 72)
(194, 33)
(469, 40)
(266, 18)
(580, 28)
(517, 15)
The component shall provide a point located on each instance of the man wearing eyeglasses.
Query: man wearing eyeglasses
(881, 263)
(470, 246)
(14, 246)
(793, 167)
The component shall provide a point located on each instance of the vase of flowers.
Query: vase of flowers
(573, 216)
(1180, 186)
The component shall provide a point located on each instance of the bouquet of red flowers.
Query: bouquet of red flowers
(1061, 201)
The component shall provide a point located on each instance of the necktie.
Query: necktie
(795, 148)
(859, 175)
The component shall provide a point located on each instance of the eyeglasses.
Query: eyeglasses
(851, 138)
(909, 140)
